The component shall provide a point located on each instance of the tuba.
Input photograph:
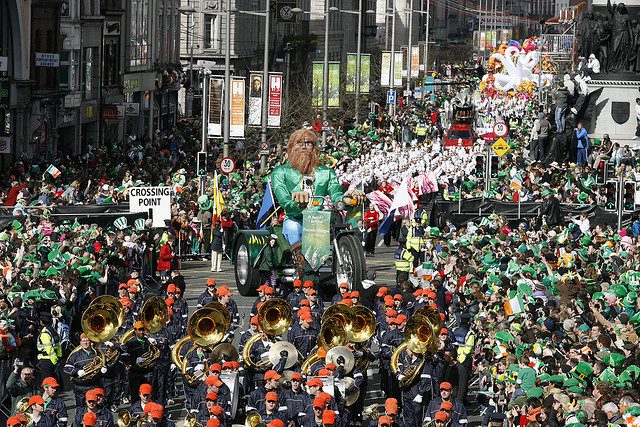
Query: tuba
(100, 322)
(274, 317)
(421, 338)
(154, 314)
(254, 420)
(205, 328)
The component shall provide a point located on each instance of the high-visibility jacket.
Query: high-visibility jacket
(421, 130)
(404, 261)
(414, 240)
(48, 345)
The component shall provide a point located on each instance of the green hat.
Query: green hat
(576, 389)
(583, 196)
(583, 370)
(616, 360)
(635, 319)
(120, 223)
(629, 300)
(620, 291)
(17, 225)
(545, 192)
(52, 271)
(504, 337)
(32, 294)
(585, 240)
(139, 224)
(49, 294)
(570, 382)
(544, 377)
(205, 203)
(597, 296)
(557, 379)
(534, 392)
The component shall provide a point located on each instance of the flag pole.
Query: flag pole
(270, 216)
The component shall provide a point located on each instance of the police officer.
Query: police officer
(404, 261)
(49, 347)
(415, 239)
(465, 339)
(53, 405)
(74, 367)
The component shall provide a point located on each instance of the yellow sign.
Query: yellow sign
(500, 147)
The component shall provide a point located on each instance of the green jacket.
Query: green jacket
(267, 259)
(18, 389)
(286, 180)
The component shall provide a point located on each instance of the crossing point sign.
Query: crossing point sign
(500, 147)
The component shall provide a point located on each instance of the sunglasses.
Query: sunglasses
(271, 401)
(307, 144)
(317, 409)
(139, 329)
(211, 286)
(91, 401)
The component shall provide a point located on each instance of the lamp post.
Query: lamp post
(410, 16)
(325, 73)
(189, 10)
(358, 52)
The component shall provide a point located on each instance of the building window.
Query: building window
(69, 70)
(139, 41)
(209, 21)
(111, 62)
(89, 79)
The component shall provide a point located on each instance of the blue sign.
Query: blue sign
(391, 96)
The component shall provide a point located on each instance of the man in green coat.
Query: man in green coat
(21, 383)
(300, 178)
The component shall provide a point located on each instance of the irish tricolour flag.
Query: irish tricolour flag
(514, 305)
(53, 171)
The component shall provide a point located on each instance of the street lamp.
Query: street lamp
(359, 50)
(325, 74)
(227, 80)
(189, 10)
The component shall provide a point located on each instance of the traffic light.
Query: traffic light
(611, 196)
(479, 168)
(202, 163)
(601, 172)
(629, 196)
(495, 165)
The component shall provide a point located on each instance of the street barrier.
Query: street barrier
(475, 209)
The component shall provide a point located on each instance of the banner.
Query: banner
(415, 62)
(275, 100)
(365, 72)
(317, 84)
(236, 126)
(316, 243)
(397, 72)
(352, 68)
(385, 69)
(334, 85)
(255, 99)
(216, 88)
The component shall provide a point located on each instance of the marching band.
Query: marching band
(299, 363)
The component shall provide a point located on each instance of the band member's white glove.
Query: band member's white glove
(81, 373)
(153, 341)
(400, 377)
(172, 367)
(139, 360)
(418, 399)
(103, 370)
(199, 368)
(108, 344)
(264, 355)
